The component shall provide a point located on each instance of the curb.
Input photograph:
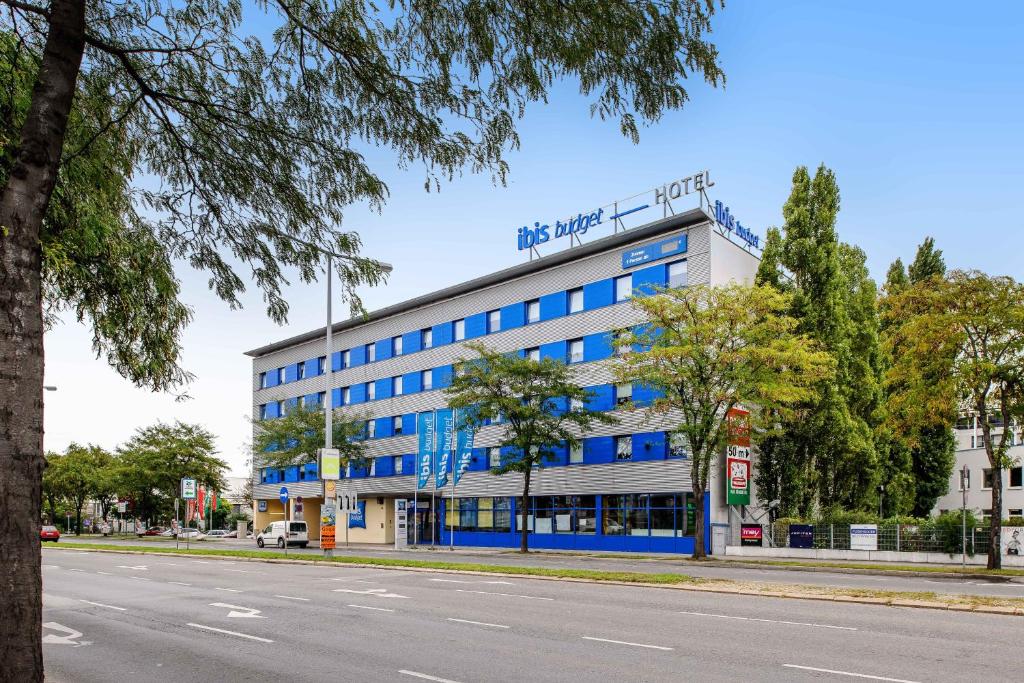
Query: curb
(899, 573)
(883, 602)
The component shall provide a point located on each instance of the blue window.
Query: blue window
(264, 412)
(442, 335)
(554, 350)
(493, 321)
(677, 274)
(597, 346)
(574, 350)
(397, 426)
(397, 346)
(602, 398)
(649, 446)
(575, 300)
(357, 356)
(598, 449)
(291, 373)
(412, 342)
(459, 329)
(357, 394)
(409, 423)
(384, 387)
(273, 378)
(426, 338)
(371, 352)
(382, 349)
(533, 311)
(623, 288)
(411, 383)
(427, 380)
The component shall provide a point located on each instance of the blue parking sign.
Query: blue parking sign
(284, 495)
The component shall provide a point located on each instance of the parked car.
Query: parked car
(233, 533)
(275, 534)
(151, 531)
(191, 534)
(49, 533)
(168, 533)
(217, 533)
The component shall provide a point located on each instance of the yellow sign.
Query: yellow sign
(329, 487)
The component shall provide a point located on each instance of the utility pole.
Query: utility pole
(965, 483)
(328, 421)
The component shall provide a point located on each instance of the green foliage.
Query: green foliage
(153, 462)
(928, 262)
(959, 340)
(950, 525)
(294, 438)
(706, 350)
(538, 403)
(82, 473)
(826, 454)
(256, 142)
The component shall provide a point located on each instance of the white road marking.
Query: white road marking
(848, 673)
(168, 564)
(51, 566)
(770, 621)
(100, 604)
(502, 583)
(376, 609)
(478, 623)
(449, 581)
(76, 570)
(375, 592)
(246, 612)
(230, 633)
(69, 639)
(623, 642)
(291, 597)
(104, 573)
(179, 583)
(507, 595)
(240, 571)
(139, 567)
(139, 578)
(229, 590)
(427, 677)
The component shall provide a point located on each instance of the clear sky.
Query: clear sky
(917, 106)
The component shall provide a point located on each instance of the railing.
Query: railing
(908, 538)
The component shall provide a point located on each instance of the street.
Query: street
(110, 616)
(973, 585)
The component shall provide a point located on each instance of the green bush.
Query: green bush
(949, 526)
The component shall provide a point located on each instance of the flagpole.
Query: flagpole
(451, 511)
(433, 488)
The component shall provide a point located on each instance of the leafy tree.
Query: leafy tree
(828, 445)
(247, 144)
(54, 493)
(539, 405)
(155, 460)
(961, 339)
(294, 438)
(709, 349)
(79, 475)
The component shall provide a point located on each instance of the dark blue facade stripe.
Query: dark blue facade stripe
(649, 446)
(412, 382)
(602, 397)
(336, 361)
(554, 350)
(409, 423)
(357, 394)
(383, 427)
(411, 342)
(336, 397)
(442, 333)
(357, 356)
(442, 376)
(272, 378)
(646, 280)
(598, 294)
(597, 346)
(476, 326)
(553, 305)
(385, 467)
(312, 367)
(598, 450)
(383, 389)
(384, 349)
(513, 315)
(644, 396)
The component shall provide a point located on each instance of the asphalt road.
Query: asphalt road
(149, 618)
(969, 586)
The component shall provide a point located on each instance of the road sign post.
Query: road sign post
(284, 502)
(348, 502)
(329, 467)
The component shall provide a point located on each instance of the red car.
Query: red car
(49, 533)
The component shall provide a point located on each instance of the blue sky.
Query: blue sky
(917, 106)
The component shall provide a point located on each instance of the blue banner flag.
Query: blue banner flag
(357, 520)
(463, 452)
(445, 446)
(425, 459)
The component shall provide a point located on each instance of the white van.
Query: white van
(274, 534)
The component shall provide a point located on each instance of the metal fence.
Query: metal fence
(909, 538)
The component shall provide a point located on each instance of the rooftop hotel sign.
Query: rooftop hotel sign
(576, 226)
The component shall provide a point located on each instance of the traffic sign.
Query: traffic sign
(122, 506)
(298, 503)
(348, 501)
(188, 488)
(284, 495)
(330, 464)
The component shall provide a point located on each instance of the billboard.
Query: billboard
(863, 537)
(737, 458)
(751, 534)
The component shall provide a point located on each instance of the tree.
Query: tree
(961, 339)
(827, 449)
(54, 493)
(537, 403)
(247, 143)
(80, 474)
(706, 350)
(155, 460)
(295, 437)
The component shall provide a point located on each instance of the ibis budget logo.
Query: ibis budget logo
(539, 234)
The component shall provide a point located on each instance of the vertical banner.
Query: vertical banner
(357, 519)
(201, 505)
(445, 445)
(328, 526)
(424, 460)
(737, 459)
(463, 452)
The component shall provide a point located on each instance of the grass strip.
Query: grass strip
(928, 569)
(589, 574)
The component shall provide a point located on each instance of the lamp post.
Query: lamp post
(965, 483)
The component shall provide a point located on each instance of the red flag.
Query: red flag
(201, 504)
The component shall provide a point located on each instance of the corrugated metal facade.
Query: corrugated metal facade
(669, 475)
